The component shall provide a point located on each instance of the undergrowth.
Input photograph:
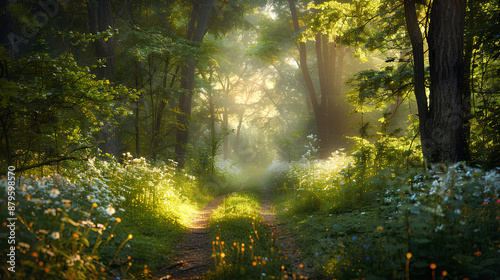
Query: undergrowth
(100, 219)
(358, 219)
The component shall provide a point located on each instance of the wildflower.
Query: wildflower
(433, 266)
(55, 235)
(50, 211)
(110, 210)
(380, 228)
(118, 220)
(48, 252)
(54, 193)
(25, 245)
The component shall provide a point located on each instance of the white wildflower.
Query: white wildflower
(55, 235)
(24, 245)
(110, 210)
(48, 252)
(50, 212)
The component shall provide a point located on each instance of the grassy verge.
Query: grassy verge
(243, 247)
(440, 224)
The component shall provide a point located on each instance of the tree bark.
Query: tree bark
(418, 73)
(446, 45)
(303, 62)
(101, 19)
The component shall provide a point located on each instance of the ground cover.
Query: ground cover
(361, 223)
(109, 219)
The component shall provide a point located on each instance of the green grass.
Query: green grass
(243, 247)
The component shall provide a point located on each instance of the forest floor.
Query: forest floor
(194, 256)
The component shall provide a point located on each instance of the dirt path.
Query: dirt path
(194, 257)
(299, 267)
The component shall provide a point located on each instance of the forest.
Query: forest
(260, 139)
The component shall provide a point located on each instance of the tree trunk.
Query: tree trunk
(337, 107)
(318, 109)
(467, 90)
(303, 62)
(225, 144)
(101, 18)
(323, 59)
(137, 111)
(200, 16)
(418, 73)
(446, 43)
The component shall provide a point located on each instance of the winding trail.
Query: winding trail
(194, 258)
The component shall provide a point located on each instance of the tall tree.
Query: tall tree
(101, 19)
(329, 57)
(196, 30)
(441, 121)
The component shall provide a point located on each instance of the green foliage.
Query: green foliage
(485, 146)
(347, 23)
(372, 89)
(50, 107)
(306, 202)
